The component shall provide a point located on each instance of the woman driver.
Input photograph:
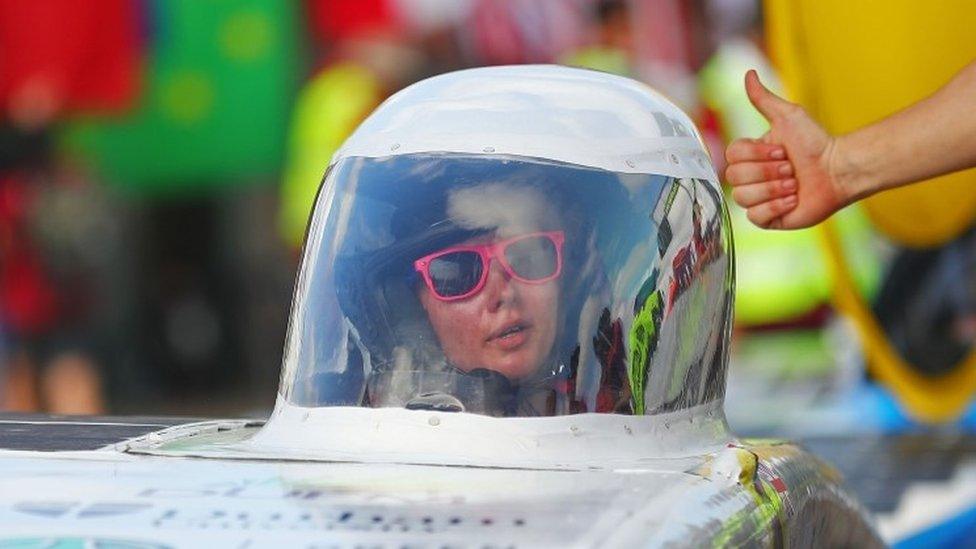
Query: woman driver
(472, 292)
(493, 302)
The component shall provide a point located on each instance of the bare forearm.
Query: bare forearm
(932, 137)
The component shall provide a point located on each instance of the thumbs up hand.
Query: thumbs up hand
(786, 179)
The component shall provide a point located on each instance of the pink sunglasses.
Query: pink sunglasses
(460, 272)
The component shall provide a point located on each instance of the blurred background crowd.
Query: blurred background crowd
(159, 158)
(158, 161)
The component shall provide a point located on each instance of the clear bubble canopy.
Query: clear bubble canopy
(514, 242)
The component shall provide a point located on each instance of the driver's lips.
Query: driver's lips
(511, 336)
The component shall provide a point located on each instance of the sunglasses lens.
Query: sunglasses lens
(455, 273)
(533, 258)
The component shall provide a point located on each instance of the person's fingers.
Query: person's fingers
(745, 173)
(757, 193)
(766, 102)
(748, 150)
(768, 214)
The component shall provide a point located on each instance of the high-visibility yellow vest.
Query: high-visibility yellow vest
(329, 108)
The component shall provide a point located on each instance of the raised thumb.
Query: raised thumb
(765, 101)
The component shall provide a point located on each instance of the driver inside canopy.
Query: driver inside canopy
(583, 268)
(502, 286)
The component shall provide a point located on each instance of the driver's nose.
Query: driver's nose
(500, 289)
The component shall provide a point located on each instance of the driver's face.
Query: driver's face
(508, 327)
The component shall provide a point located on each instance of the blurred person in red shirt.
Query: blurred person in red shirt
(56, 57)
